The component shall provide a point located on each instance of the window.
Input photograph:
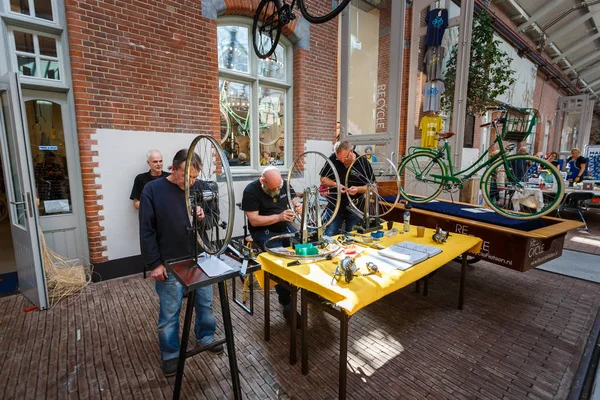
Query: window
(36, 55)
(34, 8)
(255, 99)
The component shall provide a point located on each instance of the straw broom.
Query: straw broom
(63, 279)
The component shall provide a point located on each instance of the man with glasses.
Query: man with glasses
(342, 158)
(164, 225)
(265, 204)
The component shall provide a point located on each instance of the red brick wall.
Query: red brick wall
(545, 100)
(152, 65)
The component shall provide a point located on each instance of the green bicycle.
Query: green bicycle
(508, 186)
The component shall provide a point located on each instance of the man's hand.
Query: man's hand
(343, 189)
(578, 179)
(287, 216)
(352, 190)
(159, 273)
(199, 213)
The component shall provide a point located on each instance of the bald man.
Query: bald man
(154, 159)
(265, 204)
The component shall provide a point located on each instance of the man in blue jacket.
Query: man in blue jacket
(164, 224)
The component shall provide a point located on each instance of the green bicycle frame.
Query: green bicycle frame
(467, 173)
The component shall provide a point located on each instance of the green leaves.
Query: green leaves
(490, 75)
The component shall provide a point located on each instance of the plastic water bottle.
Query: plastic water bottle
(407, 221)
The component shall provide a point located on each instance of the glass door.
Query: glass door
(14, 144)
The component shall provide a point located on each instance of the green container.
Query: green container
(306, 249)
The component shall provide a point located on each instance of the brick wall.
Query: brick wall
(152, 66)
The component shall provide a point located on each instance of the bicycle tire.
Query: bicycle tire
(215, 170)
(408, 172)
(298, 168)
(227, 125)
(388, 168)
(499, 189)
(258, 27)
(319, 19)
(268, 143)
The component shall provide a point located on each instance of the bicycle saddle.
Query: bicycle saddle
(445, 135)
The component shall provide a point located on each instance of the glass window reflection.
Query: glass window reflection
(233, 48)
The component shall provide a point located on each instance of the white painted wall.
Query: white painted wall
(121, 156)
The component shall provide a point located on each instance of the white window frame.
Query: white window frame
(255, 82)
(53, 4)
(38, 57)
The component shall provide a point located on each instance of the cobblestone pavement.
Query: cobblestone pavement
(520, 335)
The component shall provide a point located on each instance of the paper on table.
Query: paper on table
(212, 266)
(477, 210)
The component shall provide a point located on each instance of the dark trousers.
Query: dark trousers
(260, 238)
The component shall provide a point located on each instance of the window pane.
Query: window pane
(24, 42)
(235, 121)
(271, 106)
(47, 46)
(19, 6)
(18, 209)
(49, 69)
(51, 171)
(43, 9)
(233, 48)
(274, 66)
(26, 65)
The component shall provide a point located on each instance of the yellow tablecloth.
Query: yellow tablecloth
(364, 290)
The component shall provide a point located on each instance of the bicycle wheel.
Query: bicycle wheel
(304, 178)
(313, 12)
(267, 119)
(213, 191)
(266, 28)
(225, 125)
(383, 183)
(421, 173)
(507, 189)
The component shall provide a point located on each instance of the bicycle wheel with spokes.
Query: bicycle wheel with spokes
(266, 28)
(304, 178)
(225, 125)
(213, 191)
(420, 174)
(382, 181)
(316, 11)
(509, 190)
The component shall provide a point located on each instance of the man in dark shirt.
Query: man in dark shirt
(155, 160)
(342, 159)
(265, 204)
(164, 224)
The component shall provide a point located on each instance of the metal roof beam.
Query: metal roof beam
(552, 38)
(577, 45)
(580, 63)
(590, 72)
(594, 84)
(540, 12)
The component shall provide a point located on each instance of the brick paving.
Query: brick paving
(584, 241)
(520, 336)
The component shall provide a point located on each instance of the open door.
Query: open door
(19, 179)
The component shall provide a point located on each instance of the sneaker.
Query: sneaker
(287, 314)
(169, 367)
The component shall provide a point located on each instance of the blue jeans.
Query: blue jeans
(260, 238)
(345, 219)
(170, 294)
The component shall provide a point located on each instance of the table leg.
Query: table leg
(463, 275)
(293, 323)
(267, 296)
(228, 327)
(303, 335)
(426, 285)
(344, 319)
(184, 341)
(418, 286)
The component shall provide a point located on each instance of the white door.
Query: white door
(20, 188)
(57, 176)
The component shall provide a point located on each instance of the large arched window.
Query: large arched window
(255, 98)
